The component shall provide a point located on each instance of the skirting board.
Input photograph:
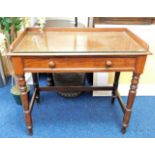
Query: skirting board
(142, 90)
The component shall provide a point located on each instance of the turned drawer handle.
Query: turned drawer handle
(51, 64)
(108, 63)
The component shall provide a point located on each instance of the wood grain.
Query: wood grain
(77, 63)
(124, 20)
(17, 63)
(124, 52)
(78, 41)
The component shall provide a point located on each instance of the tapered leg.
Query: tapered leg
(49, 80)
(25, 103)
(115, 86)
(36, 85)
(130, 101)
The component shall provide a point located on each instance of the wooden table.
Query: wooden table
(66, 50)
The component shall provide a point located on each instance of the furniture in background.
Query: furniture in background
(124, 20)
(89, 50)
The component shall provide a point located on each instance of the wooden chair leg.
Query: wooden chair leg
(115, 86)
(36, 85)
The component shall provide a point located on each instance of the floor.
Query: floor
(82, 117)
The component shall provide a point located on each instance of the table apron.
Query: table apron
(79, 64)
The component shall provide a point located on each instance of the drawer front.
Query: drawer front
(83, 64)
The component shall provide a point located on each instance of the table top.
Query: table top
(80, 41)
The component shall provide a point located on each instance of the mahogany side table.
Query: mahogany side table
(69, 50)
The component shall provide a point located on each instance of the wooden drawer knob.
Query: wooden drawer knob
(108, 63)
(51, 64)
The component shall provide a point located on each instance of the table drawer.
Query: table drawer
(72, 64)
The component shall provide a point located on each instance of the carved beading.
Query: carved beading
(24, 98)
(22, 84)
(134, 83)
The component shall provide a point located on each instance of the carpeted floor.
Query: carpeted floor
(83, 117)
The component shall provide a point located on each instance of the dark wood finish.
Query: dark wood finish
(76, 61)
(115, 86)
(69, 64)
(74, 88)
(124, 20)
(36, 86)
(25, 103)
(32, 100)
(131, 97)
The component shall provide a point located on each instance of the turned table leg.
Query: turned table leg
(25, 103)
(115, 86)
(130, 101)
(36, 85)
